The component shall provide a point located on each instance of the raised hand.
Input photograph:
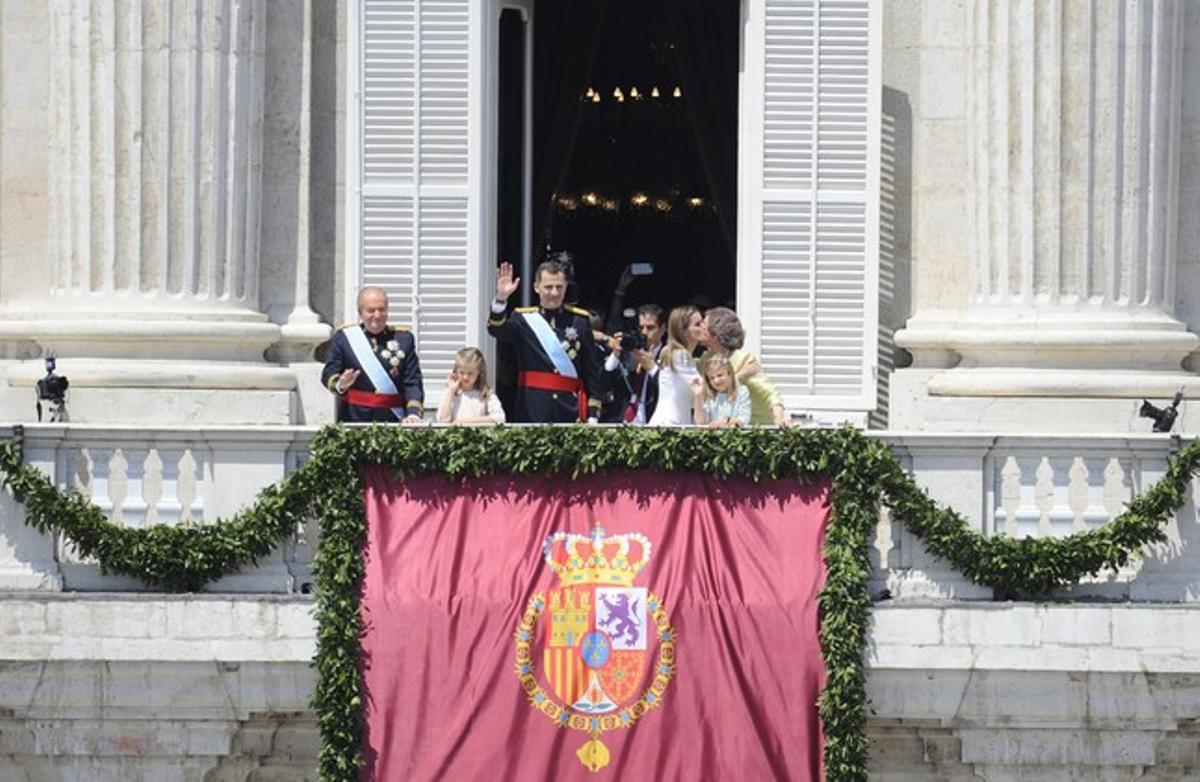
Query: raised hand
(346, 379)
(697, 387)
(506, 284)
(452, 385)
(749, 369)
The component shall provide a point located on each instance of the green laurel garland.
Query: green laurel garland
(865, 475)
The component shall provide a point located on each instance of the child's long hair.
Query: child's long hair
(711, 361)
(677, 334)
(473, 358)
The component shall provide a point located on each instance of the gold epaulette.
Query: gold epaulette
(395, 327)
(578, 311)
(526, 309)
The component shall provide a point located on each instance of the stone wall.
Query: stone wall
(156, 689)
(171, 219)
(1040, 212)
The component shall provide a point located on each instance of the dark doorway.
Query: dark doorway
(634, 151)
(635, 146)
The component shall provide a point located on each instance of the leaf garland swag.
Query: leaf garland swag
(864, 471)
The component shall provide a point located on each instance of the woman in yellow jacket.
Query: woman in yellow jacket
(724, 335)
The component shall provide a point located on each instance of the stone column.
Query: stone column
(1073, 163)
(303, 329)
(156, 120)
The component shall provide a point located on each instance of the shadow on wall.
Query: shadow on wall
(1187, 289)
(895, 242)
(326, 174)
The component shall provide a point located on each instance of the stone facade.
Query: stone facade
(169, 176)
(1052, 184)
(171, 226)
(90, 690)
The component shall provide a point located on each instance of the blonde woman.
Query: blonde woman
(468, 398)
(685, 327)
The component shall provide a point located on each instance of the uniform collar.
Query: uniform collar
(363, 326)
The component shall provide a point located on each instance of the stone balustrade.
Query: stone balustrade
(1009, 485)
(103, 684)
(116, 687)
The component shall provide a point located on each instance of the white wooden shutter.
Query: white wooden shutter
(408, 229)
(808, 256)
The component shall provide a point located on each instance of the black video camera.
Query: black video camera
(52, 389)
(631, 336)
(1163, 417)
(634, 341)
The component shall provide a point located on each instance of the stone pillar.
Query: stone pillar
(303, 329)
(1073, 139)
(155, 168)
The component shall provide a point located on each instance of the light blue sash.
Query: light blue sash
(369, 361)
(549, 342)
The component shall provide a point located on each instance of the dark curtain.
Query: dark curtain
(566, 36)
(707, 43)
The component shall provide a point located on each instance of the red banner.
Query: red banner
(632, 626)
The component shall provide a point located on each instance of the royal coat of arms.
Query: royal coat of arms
(595, 653)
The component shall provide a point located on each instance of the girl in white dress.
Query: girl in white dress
(684, 329)
(468, 398)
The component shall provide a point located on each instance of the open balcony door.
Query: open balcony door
(421, 189)
(808, 247)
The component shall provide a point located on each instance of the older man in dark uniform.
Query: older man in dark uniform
(373, 367)
(558, 367)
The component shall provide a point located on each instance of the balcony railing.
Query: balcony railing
(1003, 485)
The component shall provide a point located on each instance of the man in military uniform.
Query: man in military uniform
(373, 367)
(558, 367)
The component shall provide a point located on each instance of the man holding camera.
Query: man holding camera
(634, 363)
(558, 368)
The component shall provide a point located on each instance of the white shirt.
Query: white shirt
(675, 391)
(469, 405)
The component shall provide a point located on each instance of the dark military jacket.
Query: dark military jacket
(396, 350)
(570, 325)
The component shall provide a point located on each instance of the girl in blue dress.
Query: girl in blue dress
(719, 400)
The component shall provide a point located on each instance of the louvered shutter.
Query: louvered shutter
(411, 116)
(808, 257)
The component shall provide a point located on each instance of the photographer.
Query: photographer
(633, 366)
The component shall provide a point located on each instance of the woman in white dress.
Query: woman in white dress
(678, 368)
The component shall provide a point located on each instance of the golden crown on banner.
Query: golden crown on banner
(595, 558)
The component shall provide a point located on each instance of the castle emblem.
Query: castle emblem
(595, 653)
